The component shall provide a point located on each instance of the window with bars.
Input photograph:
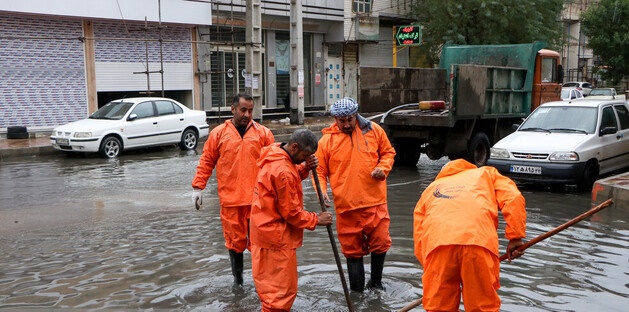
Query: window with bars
(361, 6)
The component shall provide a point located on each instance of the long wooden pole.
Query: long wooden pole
(334, 249)
(534, 241)
(561, 227)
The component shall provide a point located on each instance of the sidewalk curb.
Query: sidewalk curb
(281, 132)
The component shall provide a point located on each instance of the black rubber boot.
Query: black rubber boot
(356, 272)
(377, 264)
(236, 259)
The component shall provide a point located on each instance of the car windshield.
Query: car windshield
(570, 84)
(112, 110)
(562, 119)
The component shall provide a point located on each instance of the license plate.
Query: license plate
(63, 141)
(526, 169)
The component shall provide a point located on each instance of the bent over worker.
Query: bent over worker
(355, 158)
(233, 149)
(278, 219)
(455, 235)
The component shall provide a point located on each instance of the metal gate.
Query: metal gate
(227, 76)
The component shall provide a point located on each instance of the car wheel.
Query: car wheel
(478, 149)
(189, 140)
(110, 147)
(590, 175)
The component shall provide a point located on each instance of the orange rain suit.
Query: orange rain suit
(234, 158)
(456, 239)
(360, 201)
(278, 220)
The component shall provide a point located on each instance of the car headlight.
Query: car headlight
(564, 156)
(82, 134)
(498, 153)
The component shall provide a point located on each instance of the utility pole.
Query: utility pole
(253, 55)
(296, 64)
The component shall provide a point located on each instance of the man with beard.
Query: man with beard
(355, 158)
(278, 218)
(233, 149)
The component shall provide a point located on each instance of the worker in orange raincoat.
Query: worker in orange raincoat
(355, 158)
(278, 219)
(456, 240)
(233, 149)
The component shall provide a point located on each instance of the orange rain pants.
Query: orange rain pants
(235, 222)
(452, 269)
(364, 230)
(275, 277)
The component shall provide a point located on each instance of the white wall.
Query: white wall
(172, 11)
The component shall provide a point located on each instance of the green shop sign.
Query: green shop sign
(408, 35)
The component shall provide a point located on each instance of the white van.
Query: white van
(566, 143)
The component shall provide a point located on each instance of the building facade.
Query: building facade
(577, 58)
(62, 60)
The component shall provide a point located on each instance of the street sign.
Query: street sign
(410, 35)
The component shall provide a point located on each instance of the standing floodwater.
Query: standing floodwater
(92, 233)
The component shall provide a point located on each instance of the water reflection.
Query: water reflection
(90, 233)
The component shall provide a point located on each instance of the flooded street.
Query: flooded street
(97, 234)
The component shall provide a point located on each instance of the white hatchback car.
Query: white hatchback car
(583, 86)
(132, 123)
(566, 143)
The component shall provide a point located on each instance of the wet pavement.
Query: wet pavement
(89, 233)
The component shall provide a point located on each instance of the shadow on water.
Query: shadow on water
(97, 234)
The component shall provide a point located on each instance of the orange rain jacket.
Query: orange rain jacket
(277, 211)
(234, 158)
(348, 162)
(461, 208)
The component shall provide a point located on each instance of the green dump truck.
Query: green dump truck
(489, 88)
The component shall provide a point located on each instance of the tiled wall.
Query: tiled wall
(175, 49)
(42, 74)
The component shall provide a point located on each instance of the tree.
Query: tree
(488, 22)
(607, 27)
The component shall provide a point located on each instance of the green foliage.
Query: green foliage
(607, 27)
(488, 22)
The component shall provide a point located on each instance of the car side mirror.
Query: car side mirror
(608, 130)
(515, 127)
(132, 117)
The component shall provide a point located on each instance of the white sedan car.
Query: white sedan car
(566, 143)
(132, 123)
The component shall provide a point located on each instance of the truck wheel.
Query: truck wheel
(407, 153)
(478, 149)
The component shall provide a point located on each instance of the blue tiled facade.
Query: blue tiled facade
(42, 72)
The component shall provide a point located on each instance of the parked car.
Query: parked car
(605, 94)
(570, 94)
(132, 123)
(566, 143)
(583, 86)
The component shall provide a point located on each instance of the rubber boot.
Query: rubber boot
(236, 259)
(377, 264)
(356, 272)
